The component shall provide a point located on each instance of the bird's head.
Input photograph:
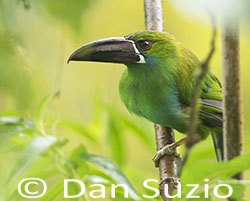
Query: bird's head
(140, 48)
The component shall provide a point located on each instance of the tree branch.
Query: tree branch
(232, 100)
(167, 163)
(164, 136)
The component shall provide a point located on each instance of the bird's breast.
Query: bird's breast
(156, 103)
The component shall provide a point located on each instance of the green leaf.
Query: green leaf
(128, 122)
(37, 147)
(145, 136)
(238, 190)
(10, 113)
(112, 170)
(81, 166)
(202, 150)
(12, 125)
(115, 140)
(207, 169)
(94, 179)
(235, 166)
(80, 128)
(42, 107)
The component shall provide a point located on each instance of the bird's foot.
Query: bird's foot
(169, 149)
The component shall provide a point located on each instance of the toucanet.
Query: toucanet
(159, 81)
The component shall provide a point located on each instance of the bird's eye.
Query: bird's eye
(144, 44)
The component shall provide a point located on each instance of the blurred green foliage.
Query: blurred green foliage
(40, 148)
(69, 12)
(81, 130)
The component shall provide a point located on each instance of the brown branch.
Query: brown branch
(164, 136)
(167, 163)
(232, 101)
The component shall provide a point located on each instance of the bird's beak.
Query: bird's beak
(114, 50)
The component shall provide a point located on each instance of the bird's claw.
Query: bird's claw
(169, 149)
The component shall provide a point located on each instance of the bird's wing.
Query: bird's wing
(211, 102)
(211, 111)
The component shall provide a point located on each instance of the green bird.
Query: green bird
(159, 81)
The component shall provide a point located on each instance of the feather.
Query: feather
(211, 116)
(212, 103)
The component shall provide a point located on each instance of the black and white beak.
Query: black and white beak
(114, 50)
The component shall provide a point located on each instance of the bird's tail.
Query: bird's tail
(218, 145)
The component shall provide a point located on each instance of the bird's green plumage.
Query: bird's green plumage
(161, 89)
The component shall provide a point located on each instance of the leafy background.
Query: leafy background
(62, 121)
